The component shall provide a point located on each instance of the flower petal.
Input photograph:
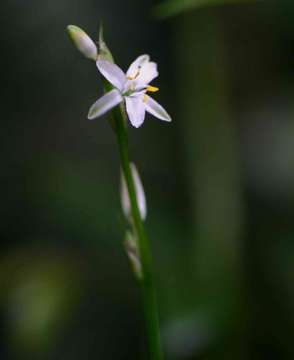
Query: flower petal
(136, 110)
(105, 103)
(156, 109)
(148, 72)
(112, 73)
(137, 64)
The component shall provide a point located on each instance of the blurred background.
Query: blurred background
(219, 182)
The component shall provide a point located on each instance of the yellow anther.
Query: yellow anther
(145, 98)
(152, 88)
(135, 76)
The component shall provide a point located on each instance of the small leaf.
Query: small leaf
(103, 51)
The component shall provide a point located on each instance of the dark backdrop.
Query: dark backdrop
(218, 179)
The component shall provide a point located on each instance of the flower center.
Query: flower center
(135, 76)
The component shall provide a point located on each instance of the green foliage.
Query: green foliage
(174, 7)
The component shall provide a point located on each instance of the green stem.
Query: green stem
(147, 284)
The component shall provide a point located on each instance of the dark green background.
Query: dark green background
(219, 182)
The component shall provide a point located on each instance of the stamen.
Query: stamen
(135, 76)
(152, 88)
(145, 98)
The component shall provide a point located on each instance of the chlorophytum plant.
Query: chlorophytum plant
(126, 100)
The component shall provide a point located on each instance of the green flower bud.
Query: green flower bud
(131, 246)
(82, 42)
(140, 194)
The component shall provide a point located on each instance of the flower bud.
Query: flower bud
(140, 195)
(131, 246)
(82, 42)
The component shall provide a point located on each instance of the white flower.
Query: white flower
(140, 195)
(131, 88)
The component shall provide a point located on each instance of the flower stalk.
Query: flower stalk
(126, 99)
(146, 282)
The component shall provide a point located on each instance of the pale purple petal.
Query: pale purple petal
(132, 71)
(156, 109)
(135, 110)
(148, 72)
(104, 104)
(112, 73)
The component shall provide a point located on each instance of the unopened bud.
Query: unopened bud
(82, 42)
(131, 246)
(140, 195)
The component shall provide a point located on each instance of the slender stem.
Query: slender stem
(147, 283)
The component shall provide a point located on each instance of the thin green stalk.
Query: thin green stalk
(147, 284)
(118, 121)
